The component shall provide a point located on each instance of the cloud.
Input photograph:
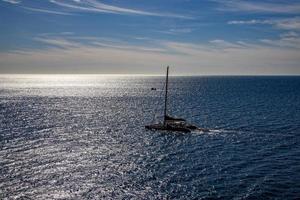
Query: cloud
(289, 34)
(226, 45)
(242, 6)
(180, 30)
(58, 42)
(76, 42)
(287, 40)
(12, 1)
(176, 31)
(286, 24)
(96, 6)
(216, 57)
(289, 24)
(253, 21)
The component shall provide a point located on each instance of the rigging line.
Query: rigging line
(157, 102)
(156, 105)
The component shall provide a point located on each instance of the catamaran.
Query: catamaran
(171, 123)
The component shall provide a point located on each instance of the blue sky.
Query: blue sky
(203, 37)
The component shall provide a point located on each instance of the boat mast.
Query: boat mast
(166, 95)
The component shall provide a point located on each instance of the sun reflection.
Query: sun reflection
(72, 84)
(59, 80)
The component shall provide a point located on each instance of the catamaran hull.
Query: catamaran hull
(167, 128)
(187, 129)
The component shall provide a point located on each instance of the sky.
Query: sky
(193, 37)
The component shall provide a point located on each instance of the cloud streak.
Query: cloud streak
(286, 24)
(242, 6)
(98, 7)
(76, 42)
(101, 56)
(287, 40)
(66, 7)
(12, 1)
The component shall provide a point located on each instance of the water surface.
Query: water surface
(83, 137)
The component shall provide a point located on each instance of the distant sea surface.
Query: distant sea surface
(83, 137)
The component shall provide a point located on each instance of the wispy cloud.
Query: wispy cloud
(96, 6)
(176, 31)
(289, 34)
(226, 45)
(286, 24)
(66, 7)
(270, 7)
(77, 42)
(253, 21)
(287, 40)
(289, 23)
(12, 1)
(58, 42)
(216, 57)
(284, 42)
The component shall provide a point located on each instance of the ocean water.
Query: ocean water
(83, 137)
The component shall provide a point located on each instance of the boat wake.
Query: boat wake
(215, 131)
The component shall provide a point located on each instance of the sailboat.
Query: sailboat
(171, 123)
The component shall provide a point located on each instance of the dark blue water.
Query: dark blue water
(83, 137)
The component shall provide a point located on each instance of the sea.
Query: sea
(83, 137)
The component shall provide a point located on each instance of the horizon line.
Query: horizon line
(112, 74)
